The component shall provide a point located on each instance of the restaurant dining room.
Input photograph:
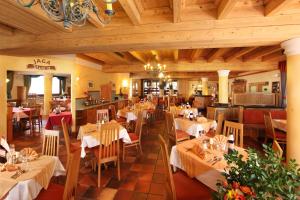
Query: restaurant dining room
(149, 99)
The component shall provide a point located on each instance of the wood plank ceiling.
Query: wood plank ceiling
(188, 35)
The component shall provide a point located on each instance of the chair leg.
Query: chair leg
(99, 175)
(141, 148)
(123, 152)
(119, 174)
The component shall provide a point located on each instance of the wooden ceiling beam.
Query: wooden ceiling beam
(131, 10)
(236, 53)
(6, 30)
(90, 59)
(275, 6)
(176, 55)
(178, 75)
(119, 56)
(195, 54)
(214, 54)
(273, 56)
(177, 7)
(200, 66)
(260, 52)
(225, 7)
(156, 55)
(138, 56)
(93, 19)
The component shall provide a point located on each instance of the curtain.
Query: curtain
(62, 84)
(27, 83)
(9, 84)
(283, 77)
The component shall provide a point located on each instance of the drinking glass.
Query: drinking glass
(24, 160)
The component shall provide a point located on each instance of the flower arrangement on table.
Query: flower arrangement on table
(259, 177)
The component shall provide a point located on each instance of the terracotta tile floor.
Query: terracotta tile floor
(142, 177)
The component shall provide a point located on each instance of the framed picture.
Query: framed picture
(90, 84)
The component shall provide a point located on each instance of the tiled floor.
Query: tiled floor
(142, 177)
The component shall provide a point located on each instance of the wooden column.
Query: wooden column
(3, 102)
(47, 93)
(204, 86)
(223, 86)
(292, 51)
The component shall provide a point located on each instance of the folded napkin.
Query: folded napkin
(220, 139)
(30, 153)
(201, 119)
(113, 121)
(4, 144)
(196, 149)
(89, 128)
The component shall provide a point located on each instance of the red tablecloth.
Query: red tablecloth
(55, 119)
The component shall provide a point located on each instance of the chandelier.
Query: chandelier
(72, 12)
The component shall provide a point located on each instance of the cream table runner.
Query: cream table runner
(194, 128)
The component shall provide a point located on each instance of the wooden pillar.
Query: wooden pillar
(3, 103)
(204, 86)
(47, 93)
(223, 86)
(292, 51)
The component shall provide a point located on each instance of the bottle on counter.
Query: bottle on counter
(230, 142)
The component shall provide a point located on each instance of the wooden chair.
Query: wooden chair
(68, 191)
(279, 136)
(70, 147)
(192, 189)
(210, 113)
(120, 120)
(102, 114)
(277, 149)
(36, 117)
(218, 131)
(238, 132)
(50, 143)
(136, 136)
(174, 135)
(109, 148)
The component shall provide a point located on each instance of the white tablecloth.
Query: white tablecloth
(129, 115)
(89, 139)
(29, 189)
(183, 111)
(208, 178)
(194, 128)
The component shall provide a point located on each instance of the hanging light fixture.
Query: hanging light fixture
(71, 12)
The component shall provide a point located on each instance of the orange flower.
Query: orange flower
(246, 190)
(225, 184)
(235, 185)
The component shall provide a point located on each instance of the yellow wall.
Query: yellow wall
(69, 64)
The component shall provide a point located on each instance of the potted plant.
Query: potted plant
(259, 177)
(162, 86)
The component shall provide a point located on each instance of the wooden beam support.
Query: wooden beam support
(177, 7)
(236, 53)
(131, 10)
(156, 55)
(224, 8)
(260, 52)
(93, 19)
(275, 6)
(90, 59)
(195, 54)
(138, 56)
(214, 54)
(5, 30)
(200, 66)
(273, 56)
(176, 55)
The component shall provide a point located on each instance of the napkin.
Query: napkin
(221, 139)
(201, 119)
(196, 149)
(4, 144)
(89, 128)
(30, 153)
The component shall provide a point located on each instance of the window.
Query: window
(55, 85)
(37, 85)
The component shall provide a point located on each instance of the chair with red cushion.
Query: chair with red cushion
(70, 147)
(178, 185)
(279, 136)
(120, 120)
(174, 135)
(60, 192)
(136, 136)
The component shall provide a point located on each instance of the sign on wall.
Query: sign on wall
(41, 64)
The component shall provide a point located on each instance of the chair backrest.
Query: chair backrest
(171, 126)
(277, 149)
(238, 132)
(121, 105)
(50, 143)
(102, 114)
(170, 186)
(139, 124)
(220, 123)
(109, 138)
(113, 112)
(270, 132)
(36, 112)
(67, 141)
(72, 176)
(210, 113)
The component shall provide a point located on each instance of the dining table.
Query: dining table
(131, 113)
(89, 136)
(183, 110)
(195, 127)
(206, 166)
(30, 182)
(55, 119)
(280, 124)
(19, 113)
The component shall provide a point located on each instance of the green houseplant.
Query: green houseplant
(259, 177)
